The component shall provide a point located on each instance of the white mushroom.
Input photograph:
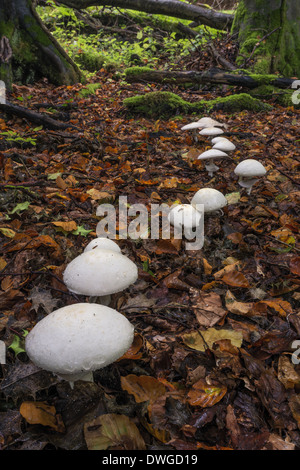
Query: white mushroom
(184, 215)
(194, 126)
(211, 131)
(103, 243)
(78, 339)
(209, 122)
(210, 155)
(249, 172)
(212, 199)
(99, 273)
(225, 145)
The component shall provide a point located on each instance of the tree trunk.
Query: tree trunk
(269, 35)
(174, 8)
(27, 50)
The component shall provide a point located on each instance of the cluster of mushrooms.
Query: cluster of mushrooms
(77, 339)
(249, 171)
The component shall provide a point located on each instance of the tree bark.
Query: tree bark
(269, 36)
(142, 74)
(27, 49)
(173, 8)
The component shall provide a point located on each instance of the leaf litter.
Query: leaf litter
(211, 364)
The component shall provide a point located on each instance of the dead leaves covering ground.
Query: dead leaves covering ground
(211, 365)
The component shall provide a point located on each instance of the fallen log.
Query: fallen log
(34, 117)
(173, 8)
(215, 76)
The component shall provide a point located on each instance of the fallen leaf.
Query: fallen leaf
(206, 339)
(205, 395)
(42, 413)
(114, 432)
(143, 387)
(207, 307)
(68, 226)
(235, 279)
(238, 308)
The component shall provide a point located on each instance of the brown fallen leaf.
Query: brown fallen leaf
(235, 279)
(143, 387)
(206, 339)
(238, 308)
(207, 307)
(42, 413)
(204, 394)
(114, 432)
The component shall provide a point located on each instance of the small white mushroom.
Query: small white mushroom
(103, 243)
(211, 155)
(76, 340)
(249, 171)
(184, 215)
(185, 218)
(225, 145)
(212, 199)
(209, 122)
(211, 131)
(99, 273)
(194, 126)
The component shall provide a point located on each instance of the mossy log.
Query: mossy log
(28, 49)
(215, 76)
(165, 104)
(173, 8)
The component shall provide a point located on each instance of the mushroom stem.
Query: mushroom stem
(247, 183)
(211, 168)
(100, 299)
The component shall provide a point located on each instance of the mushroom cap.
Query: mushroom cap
(211, 198)
(217, 139)
(192, 125)
(99, 272)
(184, 215)
(250, 168)
(211, 131)
(212, 153)
(78, 339)
(224, 145)
(209, 122)
(104, 243)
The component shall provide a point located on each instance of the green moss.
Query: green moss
(89, 89)
(269, 36)
(131, 72)
(277, 95)
(154, 104)
(90, 61)
(165, 104)
(240, 102)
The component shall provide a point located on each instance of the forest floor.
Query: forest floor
(212, 364)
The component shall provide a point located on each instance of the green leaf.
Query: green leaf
(139, 35)
(53, 176)
(81, 231)
(18, 345)
(22, 206)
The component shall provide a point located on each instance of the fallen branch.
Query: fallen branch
(216, 76)
(32, 116)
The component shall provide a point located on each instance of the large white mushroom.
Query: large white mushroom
(99, 273)
(209, 122)
(212, 199)
(249, 171)
(211, 155)
(78, 339)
